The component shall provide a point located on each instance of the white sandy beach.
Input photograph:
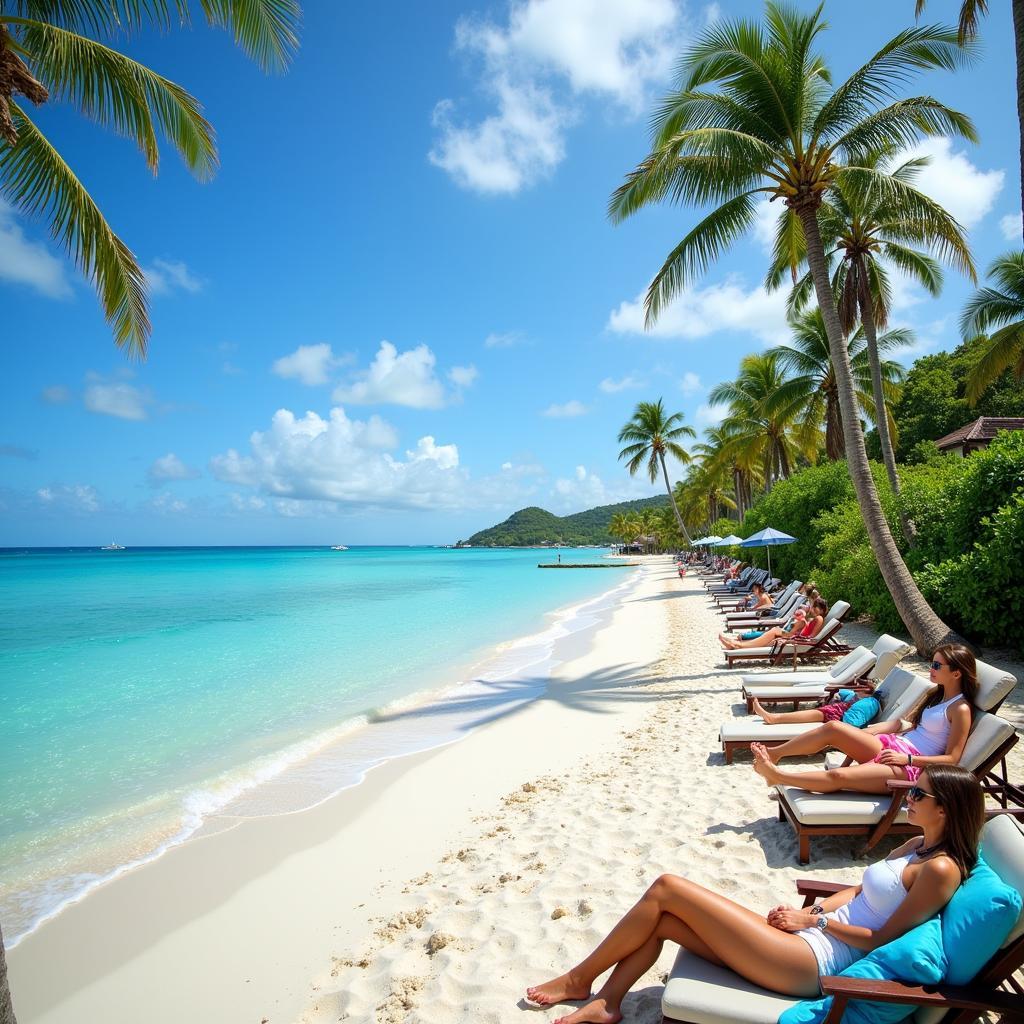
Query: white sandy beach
(447, 882)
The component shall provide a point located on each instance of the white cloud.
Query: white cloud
(1010, 226)
(166, 276)
(246, 503)
(698, 312)
(69, 497)
(311, 364)
(515, 147)
(610, 386)
(168, 504)
(953, 181)
(344, 461)
(565, 410)
(585, 489)
(690, 384)
(580, 47)
(506, 339)
(56, 395)
(116, 399)
(710, 415)
(31, 263)
(395, 378)
(170, 467)
(463, 376)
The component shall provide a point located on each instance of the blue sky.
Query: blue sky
(399, 312)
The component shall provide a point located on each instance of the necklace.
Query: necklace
(919, 853)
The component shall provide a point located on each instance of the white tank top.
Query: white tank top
(931, 735)
(881, 894)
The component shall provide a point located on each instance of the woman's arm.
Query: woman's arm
(959, 729)
(932, 888)
(885, 727)
(791, 919)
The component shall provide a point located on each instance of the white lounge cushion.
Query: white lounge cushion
(704, 993)
(849, 667)
(754, 729)
(1002, 843)
(994, 685)
(837, 808)
(889, 651)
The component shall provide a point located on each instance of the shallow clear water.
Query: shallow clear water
(144, 692)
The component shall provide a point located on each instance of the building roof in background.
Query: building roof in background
(984, 428)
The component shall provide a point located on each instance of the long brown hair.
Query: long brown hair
(959, 659)
(958, 792)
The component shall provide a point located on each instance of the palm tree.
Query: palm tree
(756, 113)
(655, 434)
(868, 231)
(812, 387)
(763, 416)
(47, 51)
(618, 526)
(728, 447)
(1001, 308)
(970, 11)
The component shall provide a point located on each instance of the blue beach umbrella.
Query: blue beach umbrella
(728, 541)
(768, 538)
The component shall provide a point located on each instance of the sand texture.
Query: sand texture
(552, 866)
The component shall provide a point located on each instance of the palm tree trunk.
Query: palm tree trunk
(672, 498)
(867, 319)
(1018, 37)
(926, 628)
(833, 425)
(6, 1007)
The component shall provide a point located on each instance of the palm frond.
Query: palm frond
(1003, 349)
(118, 92)
(267, 30)
(37, 180)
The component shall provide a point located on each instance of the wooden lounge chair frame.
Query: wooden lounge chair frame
(863, 687)
(963, 1003)
(824, 645)
(995, 785)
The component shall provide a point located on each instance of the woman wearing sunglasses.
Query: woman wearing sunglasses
(788, 949)
(937, 735)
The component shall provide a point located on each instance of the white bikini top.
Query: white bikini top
(881, 893)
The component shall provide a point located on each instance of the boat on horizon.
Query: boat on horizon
(338, 547)
(112, 546)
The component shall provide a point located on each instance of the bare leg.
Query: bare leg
(736, 937)
(855, 743)
(765, 640)
(859, 778)
(786, 716)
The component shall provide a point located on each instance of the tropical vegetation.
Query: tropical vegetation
(53, 50)
(757, 114)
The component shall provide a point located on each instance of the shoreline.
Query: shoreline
(79, 961)
(339, 756)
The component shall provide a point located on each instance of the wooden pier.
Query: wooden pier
(587, 565)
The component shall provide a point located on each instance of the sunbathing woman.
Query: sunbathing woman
(757, 600)
(831, 711)
(937, 735)
(810, 628)
(788, 950)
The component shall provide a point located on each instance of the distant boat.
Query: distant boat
(112, 546)
(338, 547)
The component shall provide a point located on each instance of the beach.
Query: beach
(449, 880)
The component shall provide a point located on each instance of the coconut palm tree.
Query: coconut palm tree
(756, 113)
(812, 387)
(61, 50)
(868, 232)
(970, 13)
(764, 417)
(1001, 308)
(654, 434)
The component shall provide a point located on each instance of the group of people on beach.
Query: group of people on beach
(788, 949)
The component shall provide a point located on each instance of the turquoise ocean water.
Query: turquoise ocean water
(150, 695)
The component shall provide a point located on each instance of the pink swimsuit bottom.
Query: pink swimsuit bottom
(890, 741)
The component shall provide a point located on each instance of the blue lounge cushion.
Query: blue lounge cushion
(862, 712)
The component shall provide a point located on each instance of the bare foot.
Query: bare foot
(763, 764)
(559, 990)
(595, 1012)
(766, 715)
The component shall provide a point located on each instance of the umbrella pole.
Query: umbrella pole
(769, 550)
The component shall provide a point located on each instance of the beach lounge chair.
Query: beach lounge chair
(824, 645)
(778, 615)
(702, 993)
(809, 687)
(873, 816)
(899, 693)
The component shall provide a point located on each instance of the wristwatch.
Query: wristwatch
(821, 922)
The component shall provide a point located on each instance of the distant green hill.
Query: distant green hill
(534, 525)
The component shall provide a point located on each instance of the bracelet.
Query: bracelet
(910, 760)
(817, 908)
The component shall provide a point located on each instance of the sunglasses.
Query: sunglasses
(917, 793)
(939, 664)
